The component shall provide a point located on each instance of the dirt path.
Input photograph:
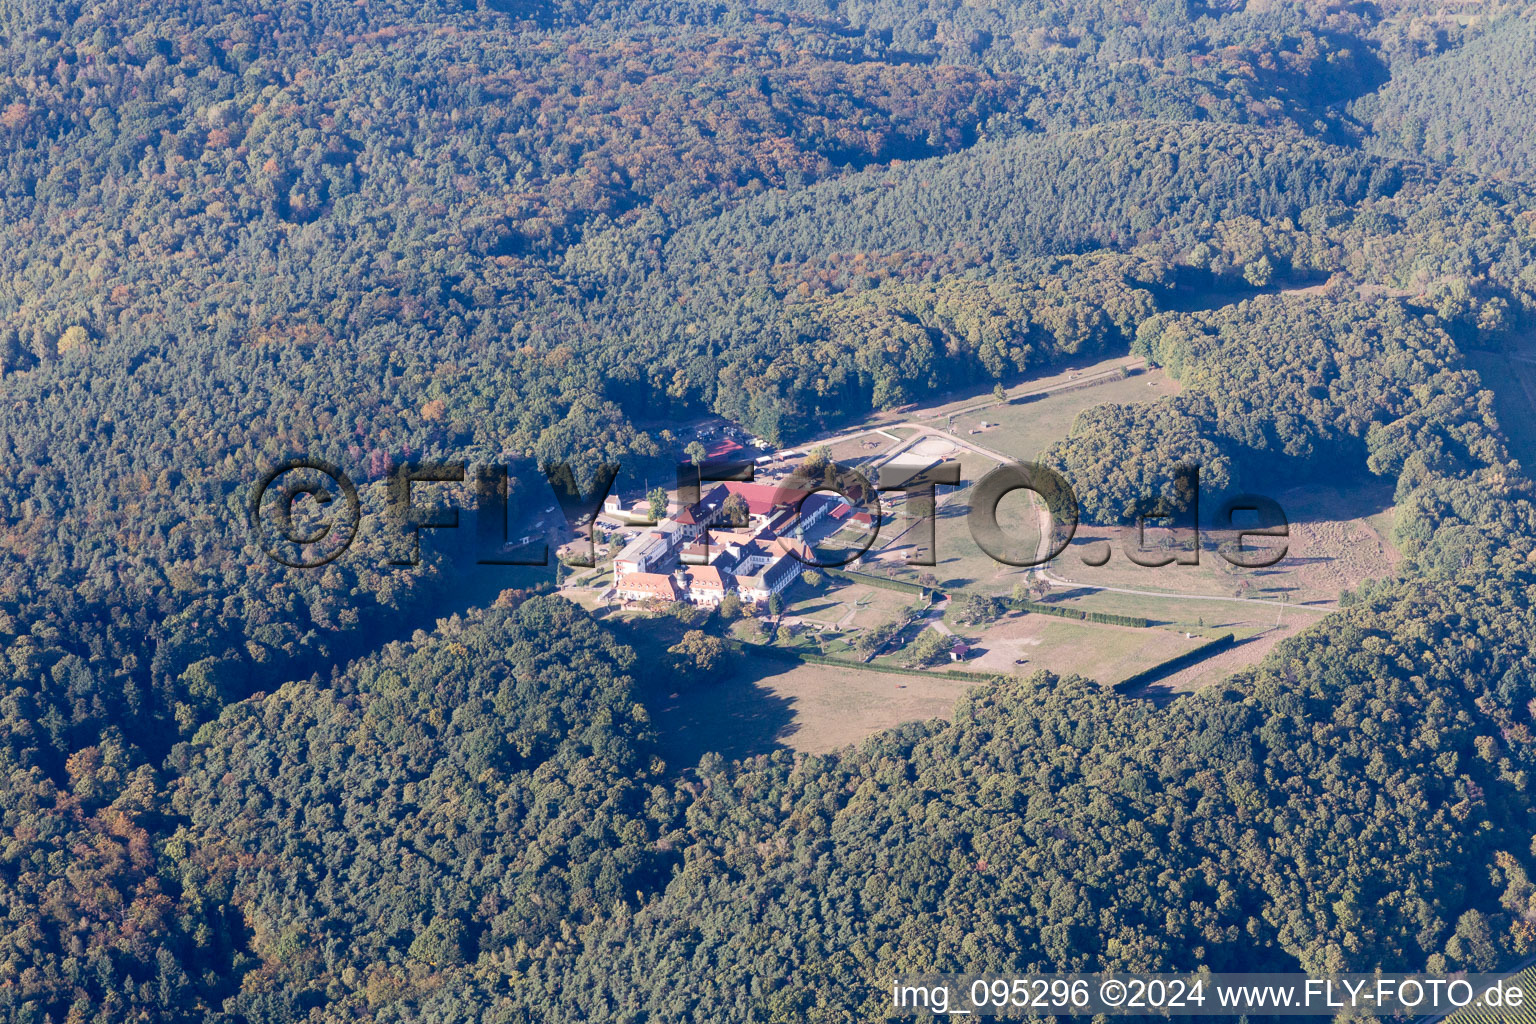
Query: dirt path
(935, 618)
(841, 623)
(1266, 601)
(909, 416)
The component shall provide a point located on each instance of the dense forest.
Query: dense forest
(236, 233)
(1465, 108)
(1369, 383)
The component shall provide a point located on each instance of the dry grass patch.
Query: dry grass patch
(1104, 653)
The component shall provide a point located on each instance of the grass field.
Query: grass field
(846, 605)
(587, 598)
(751, 705)
(978, 397)
(1338, 537)
(963, 565)
(959, 562)
(762, 703)
(1103, 653)
(1024, 428)
(859, 450)
(1256, 626)
(1189, 615)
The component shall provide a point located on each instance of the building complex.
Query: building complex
(752, 546)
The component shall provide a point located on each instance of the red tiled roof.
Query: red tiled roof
(791, 546)
(652, 584)
(706, 577)
(764, 498)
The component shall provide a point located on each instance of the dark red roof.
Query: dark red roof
(762, 498)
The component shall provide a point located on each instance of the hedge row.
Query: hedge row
(1172, 665)
(877, 581)
(822, 659)
(1062, 611)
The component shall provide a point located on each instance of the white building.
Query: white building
(648, 552)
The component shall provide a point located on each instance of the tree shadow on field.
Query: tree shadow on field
(1058, 596)
(727, 711)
